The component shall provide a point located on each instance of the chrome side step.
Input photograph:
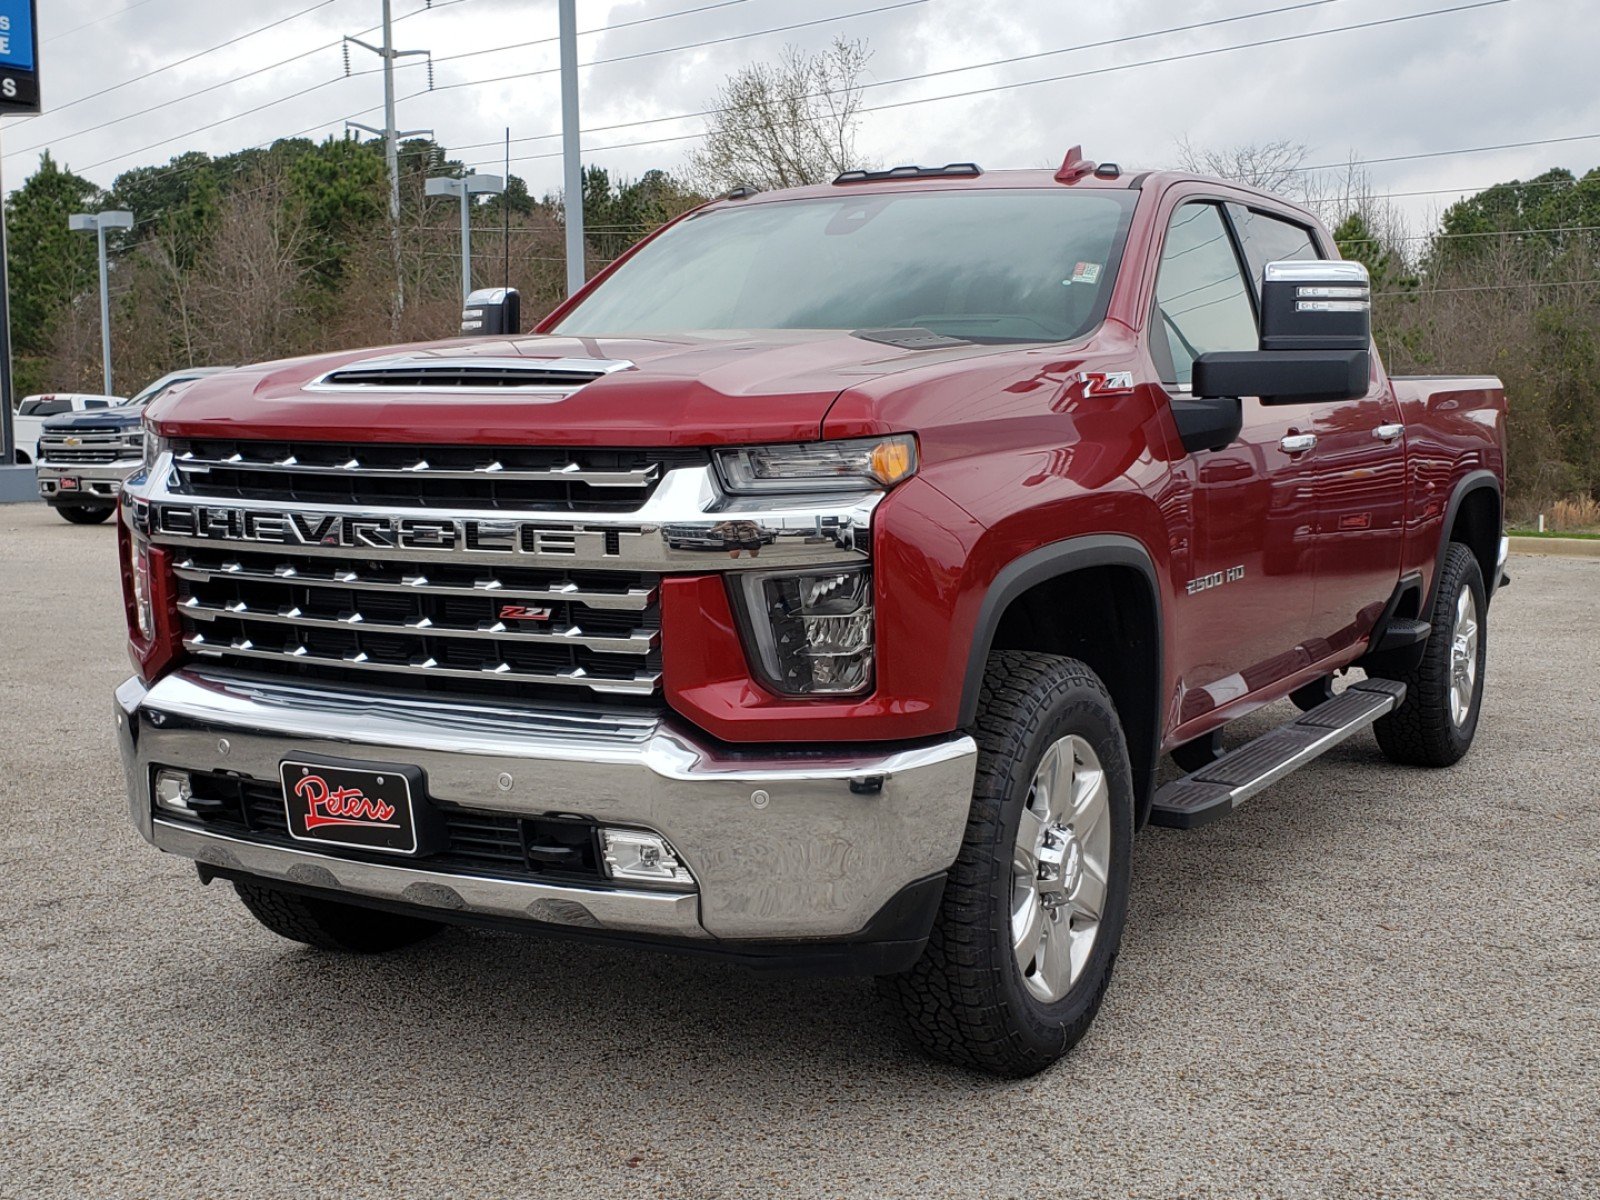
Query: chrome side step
(1214, 791)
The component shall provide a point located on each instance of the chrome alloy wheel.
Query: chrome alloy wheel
(1059, 868)
(1463, 657)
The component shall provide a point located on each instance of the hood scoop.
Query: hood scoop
(467, 373)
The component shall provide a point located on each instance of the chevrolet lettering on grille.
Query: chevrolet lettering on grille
(421, 534)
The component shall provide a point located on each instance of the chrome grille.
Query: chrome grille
(440, 625)
(91, 447)
(525, 479)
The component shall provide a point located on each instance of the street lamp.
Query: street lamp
(466, 187)
(98, 223)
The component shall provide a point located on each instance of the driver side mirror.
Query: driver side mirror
(1316, 338)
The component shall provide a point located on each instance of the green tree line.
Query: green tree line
(275, 252)
(270, 253)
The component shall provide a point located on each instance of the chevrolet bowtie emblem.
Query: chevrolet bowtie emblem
(74, 441)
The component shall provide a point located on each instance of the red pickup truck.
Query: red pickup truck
(823, 586)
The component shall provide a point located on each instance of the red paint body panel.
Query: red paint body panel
(1017, 452)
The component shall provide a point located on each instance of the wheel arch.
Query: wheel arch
(1472, 518)
(1108, 582)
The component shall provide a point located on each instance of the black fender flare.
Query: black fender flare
(1051, 562)
(1472, 481)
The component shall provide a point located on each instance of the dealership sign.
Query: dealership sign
(19, 57)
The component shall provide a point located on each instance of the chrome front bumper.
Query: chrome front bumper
(808, 843)
(96, 481)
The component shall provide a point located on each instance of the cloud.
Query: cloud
(1508, 72)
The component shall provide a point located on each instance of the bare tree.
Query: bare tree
(1271, 166)
(787, 123)
(249, 293)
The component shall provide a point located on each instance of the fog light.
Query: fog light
(813, 630)
(173, 792)
(638, 857)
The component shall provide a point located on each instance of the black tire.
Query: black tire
(86, 514)
(1423, 732)
(965, 1001)
(329, 925)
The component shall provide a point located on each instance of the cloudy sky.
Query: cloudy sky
(1119, 76)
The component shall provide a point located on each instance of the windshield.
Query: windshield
(159, 388)
(1001, 265)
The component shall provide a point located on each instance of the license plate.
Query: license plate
(364, 809)
(67, 484)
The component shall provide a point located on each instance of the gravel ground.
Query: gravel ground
(1369, 982)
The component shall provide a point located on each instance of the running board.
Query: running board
(1214, 791)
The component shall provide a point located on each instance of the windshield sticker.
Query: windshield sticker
(1085, 272)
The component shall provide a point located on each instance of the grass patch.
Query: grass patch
(1553, 533)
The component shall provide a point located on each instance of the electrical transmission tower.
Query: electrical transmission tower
(391, 142)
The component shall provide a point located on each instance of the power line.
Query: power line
(735, 37)
(545, 41)
(233, 41)
(1096, 71)
(1000, 62)
(1492, 287)
(56, 37)
(896, 104)
(334, 45)
(1576, 137)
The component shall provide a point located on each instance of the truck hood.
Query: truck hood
(700, 389)
(100, 418)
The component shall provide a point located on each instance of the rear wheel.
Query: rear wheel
(1022, 949)
(329, 925)
(1436, 724)
(86, 514)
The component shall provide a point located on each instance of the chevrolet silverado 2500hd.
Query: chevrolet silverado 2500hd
(821, 586)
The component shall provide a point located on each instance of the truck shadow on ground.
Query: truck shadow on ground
(523, 1006)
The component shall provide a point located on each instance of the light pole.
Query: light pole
(98, 223)
(571, 150)
(466, 187)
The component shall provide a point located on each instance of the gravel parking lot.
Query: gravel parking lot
(1369, 982)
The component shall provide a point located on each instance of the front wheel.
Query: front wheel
(1435, 725)
(85, 514)
(1022, 948)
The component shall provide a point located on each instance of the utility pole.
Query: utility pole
(571, 147)
(466, 188)
(8, 441)
(391, 143)
(98, 223)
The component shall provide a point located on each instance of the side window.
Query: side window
(1202, 300)
(97, 404)
(1268, 238)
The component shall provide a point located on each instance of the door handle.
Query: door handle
(1297, 443)
(1388, 433)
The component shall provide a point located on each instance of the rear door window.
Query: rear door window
(1268, 238)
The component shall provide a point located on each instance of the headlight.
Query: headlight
(139, 582)
(153, 447)
(819, 466)
(812, 631)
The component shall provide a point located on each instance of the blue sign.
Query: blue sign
(19, 54)
(16, 35)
